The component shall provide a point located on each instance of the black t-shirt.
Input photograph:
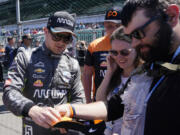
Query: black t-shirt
(115, 108)
(81, 56)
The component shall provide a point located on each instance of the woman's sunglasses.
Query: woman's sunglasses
(124, 52)
(66, 38)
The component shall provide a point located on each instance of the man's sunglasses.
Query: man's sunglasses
(66, 38)
(139, 32)
(124, 52)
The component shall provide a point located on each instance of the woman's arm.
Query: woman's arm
(103, 89)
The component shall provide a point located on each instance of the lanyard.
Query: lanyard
(162, 78)
(176, 53)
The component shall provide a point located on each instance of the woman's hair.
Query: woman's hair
(118, 34)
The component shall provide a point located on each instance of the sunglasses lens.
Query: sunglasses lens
(124, 52)
(113, 52)
(58, 37)
(67, 38)
(138, 34)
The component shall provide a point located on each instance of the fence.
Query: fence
(2, 40)
(87, 35)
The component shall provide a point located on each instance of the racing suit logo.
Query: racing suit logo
(39, 64)
(103, 64)
(8, 82)
(39, 70)
(55, 94)
(38, 83)
(38, 76)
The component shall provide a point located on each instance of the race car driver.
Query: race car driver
(43, 77)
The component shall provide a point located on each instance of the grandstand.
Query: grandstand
(36, 9)
(34, 13)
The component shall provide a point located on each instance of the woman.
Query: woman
(122, 60)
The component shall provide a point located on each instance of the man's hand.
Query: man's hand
(44, 116)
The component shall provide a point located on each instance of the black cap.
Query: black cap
(113, 15)
(61, 21)
(26, 36)
(9, 38)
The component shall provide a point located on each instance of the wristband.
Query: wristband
(72, 111)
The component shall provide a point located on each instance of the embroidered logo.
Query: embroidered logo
(103, 64)
(38, 83)
(39, 70)
(39, 64)
(112, 13)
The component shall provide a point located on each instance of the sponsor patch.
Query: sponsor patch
(38, 83)
(65, 21)
(37, 76)
(46, 93)
(7, 82)
(103, 64)
(103, 54)
(39, 64)
(39, 70)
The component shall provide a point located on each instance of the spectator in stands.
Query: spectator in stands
(19, 43)
(2, 50)
(89, 26)
(15, 33)
(34, 31)
(81, 53)
(95, 62)
(2, 53)
(26, 41)
(3, 31)
(70, 50)
(26, 31)
(8, 33)
(10, 52)
(37, 42)
(82, 26)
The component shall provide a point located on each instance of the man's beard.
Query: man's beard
(159, 50)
